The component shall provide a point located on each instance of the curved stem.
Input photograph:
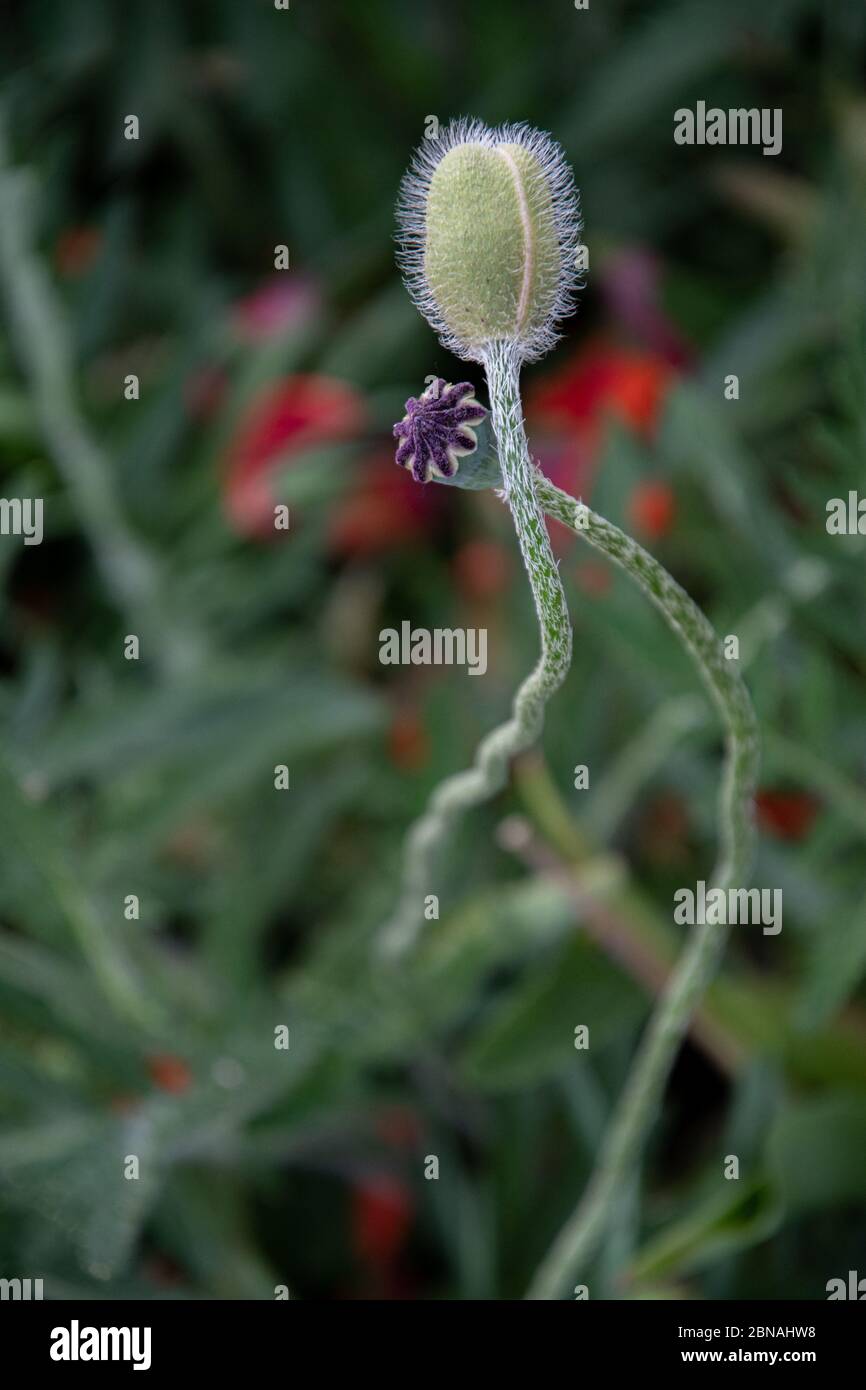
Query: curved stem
(622, 1146)
(490, 769)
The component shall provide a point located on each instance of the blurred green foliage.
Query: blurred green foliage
(155, 1037)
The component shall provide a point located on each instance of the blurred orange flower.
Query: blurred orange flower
(286, 418)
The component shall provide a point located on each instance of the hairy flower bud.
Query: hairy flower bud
(489, 228)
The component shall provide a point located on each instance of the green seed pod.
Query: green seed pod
(489, 228)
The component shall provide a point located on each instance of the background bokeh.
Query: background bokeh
(155, 1037)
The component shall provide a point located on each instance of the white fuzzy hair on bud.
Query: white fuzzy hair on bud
(488, 233)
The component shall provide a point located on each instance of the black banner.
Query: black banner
(226, 1338)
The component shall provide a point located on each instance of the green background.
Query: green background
(261, 1167)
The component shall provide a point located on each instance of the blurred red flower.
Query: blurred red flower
(408, 741)
(572, 407)
(652, 507)
(593, 578)
(383, 508)
(286, 418)
(602, 379)
(76, 250)
(381, 1219)
(482, 569)
(399, 1126)
(169, 1073)
(787, 815)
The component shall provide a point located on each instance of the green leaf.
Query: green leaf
(734, 1219)
(478, 470)
(529, 1034)
(817, 1150)
(838, 964)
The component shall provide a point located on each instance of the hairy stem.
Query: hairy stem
(489, 772)
(643, 1091)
